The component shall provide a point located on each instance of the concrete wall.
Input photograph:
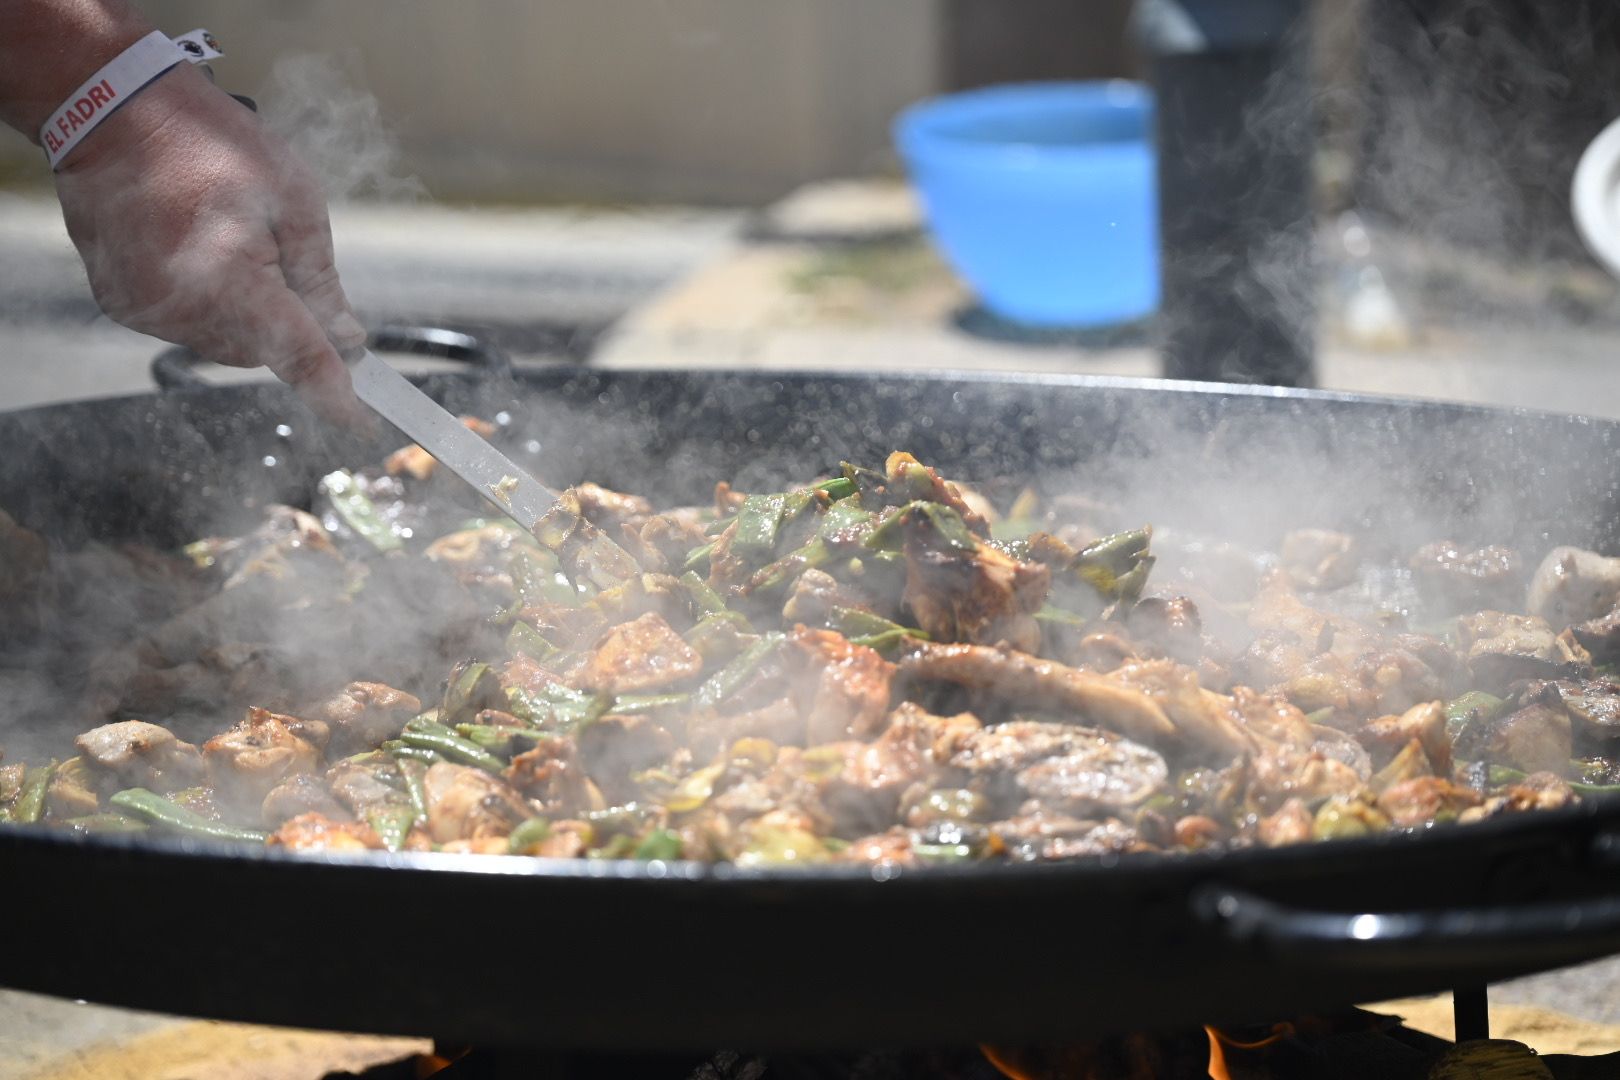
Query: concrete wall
(706, 100)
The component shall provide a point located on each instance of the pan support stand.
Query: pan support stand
(1469, 1014)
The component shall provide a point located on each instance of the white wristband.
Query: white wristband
(116, 83)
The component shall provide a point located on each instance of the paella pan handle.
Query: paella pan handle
(175, 368)
(1454, 938)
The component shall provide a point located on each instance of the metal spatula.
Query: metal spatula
(555, 521)
(511, 489)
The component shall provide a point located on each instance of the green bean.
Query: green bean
(30, 803)
(1503, 775)
(1475, 702)
(705, 601)
(525, 640)
(392, 824)
(473, 687)
(1116, 566)
(160, 811)
(436, 737)
(358, 511)
(759, 519)
(528, 834)
(413, 771)
(630, 704)
(943, 853)
(699, 555)
(537, 583)
(555, 708)
(402, 753)
(839, 487)
(725, 682)
(105, 823)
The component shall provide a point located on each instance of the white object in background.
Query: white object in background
(1595, 198)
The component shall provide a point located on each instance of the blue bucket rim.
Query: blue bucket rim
(917, 128)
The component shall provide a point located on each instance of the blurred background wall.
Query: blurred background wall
(719, 101)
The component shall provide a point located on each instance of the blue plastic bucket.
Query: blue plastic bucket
(1042, 197)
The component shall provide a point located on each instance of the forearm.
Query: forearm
(49, 47)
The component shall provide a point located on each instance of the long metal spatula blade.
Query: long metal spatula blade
(508, 488)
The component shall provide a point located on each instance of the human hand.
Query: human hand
(199, 226)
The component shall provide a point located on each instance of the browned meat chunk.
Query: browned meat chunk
(1287, 772)
(1503, 648)
(662, 541)
(1425, 799)
(851, 688)
(1536, 738)
(1293, 824)
(1388, 735)
(1600, 637)
(256, 755)
(469, 804)
(1099, 773)
(814, 596)
(1045, 835)
(1594, 704)
(890, 848)
(608, 509)
(1573, 585)
(973, 594)
(856, 786)
(937, 738)
(1319, 558)
(637, 656)
(1043, 684)
(299, 794)
(313, 832)
(142, 755)
(1460, 577)
(360, 787)
(363, 714)
(1538, 791)
(553, 778)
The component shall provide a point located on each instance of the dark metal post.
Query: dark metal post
(1470, 1013)
(1234, 149)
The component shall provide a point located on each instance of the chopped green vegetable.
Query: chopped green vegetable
(159, 811)
(725, 682)
(30, 801)
(528, 836)
(659, 844)
(426, 735)
(391, 824)
(525, 640)
(358, 511)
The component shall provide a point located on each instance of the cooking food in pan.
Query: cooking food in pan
(879, 666)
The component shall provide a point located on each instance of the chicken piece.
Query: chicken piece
(937, 738)
(889, 848)
(552, 776)
(641, 655)
(1573, 585)
(1319, 559)
(1425, 799)
(358, 785)
(1101, 773)
(1042, 684)
(1292, 824)
(1538, 791)
(1283, 772)
(314, 832)
(364, 714)
(970, 593)
(1044, 835)
(1593, 704)
(1388, 735)
(142, 755)
(250, 759)
(814, 596)
(1502, 648)
(1600, 637)
(856, 786)
(1462, 578)
(1536, 738)
(607, 509)
(1203, 721)
(465, 803)
(300, 793)
(849, 697)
